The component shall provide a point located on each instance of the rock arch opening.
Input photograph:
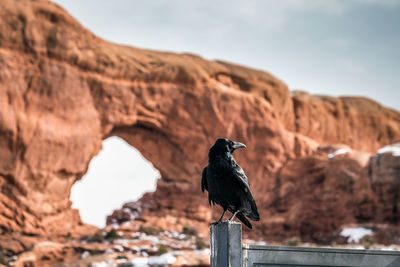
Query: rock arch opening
(119, 173)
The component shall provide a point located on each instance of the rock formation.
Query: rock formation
(63, 90)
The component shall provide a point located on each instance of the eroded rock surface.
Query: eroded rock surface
(63, 90)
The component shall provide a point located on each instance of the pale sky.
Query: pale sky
(118, 174)
(333, 47)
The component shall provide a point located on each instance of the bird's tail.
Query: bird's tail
(252, 213)
(244, 220)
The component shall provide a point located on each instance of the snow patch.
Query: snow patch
(223, 86)
(85, 255)
(108, 251)
(394, 149)
(101, 264)
(123, 242)
(339, 152)
(151, 238)
(140, 262)
(203, 251)
(355, 234)
(167, 258)
(46, 244)
(128, 223)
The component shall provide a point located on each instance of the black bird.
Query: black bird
(227, 184)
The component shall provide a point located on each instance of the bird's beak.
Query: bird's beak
(237, 145)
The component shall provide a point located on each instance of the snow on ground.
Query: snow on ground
(85, 254)
(355, 234)
(46, 244)
(203, 251)
(140, 262)
(394, 149)
(101, 264)
(339, 152)
(164, 259)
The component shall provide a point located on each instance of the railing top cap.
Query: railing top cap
(225, 222)
(321, 250)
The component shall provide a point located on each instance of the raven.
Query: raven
(227, 184)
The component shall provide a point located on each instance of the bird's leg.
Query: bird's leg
(233, 216)
(222, 216)
(220, 219)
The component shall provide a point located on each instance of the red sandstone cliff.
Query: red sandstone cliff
(63, 90)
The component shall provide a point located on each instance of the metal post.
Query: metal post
(226, 244)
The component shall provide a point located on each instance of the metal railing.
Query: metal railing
(227, 250)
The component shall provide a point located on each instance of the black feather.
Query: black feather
(244, 220)
(226, 182)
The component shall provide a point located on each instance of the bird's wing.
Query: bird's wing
(204, 184)
(239, 174)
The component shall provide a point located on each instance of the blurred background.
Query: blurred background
(94, 115)
(331, 47)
